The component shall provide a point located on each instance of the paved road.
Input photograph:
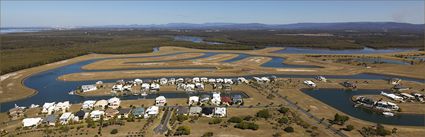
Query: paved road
(163, 125)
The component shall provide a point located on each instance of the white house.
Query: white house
(160, 101)
(31, 122)
(138, 81)
(163, 81)
(321, 78)
(310, 83)
(204, 80)
(66, 117)
(199, 86)
(48, 108)
(152, 111)
(193, 100)
(265, 79)
(211, 80)
(62, 106)
(220, 111)
(196, 80)
(145, 87)
(87, 88)
(114, 102)
(96, 114)
(154, 87)
(243, 80)
(127, 87)
(190, 87)
(172, 81)
(88, 104)
(101, 104)
(118, 87)
(386, 106)
(392, 96)
(219, 80)
(216, 99)
(228, 81)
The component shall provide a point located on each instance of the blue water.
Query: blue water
(53, 90)
(195, 39)
(20, 30)
(294, 50)
(341, 100)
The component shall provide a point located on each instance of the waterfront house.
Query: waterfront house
(138, 112)
(152, 111)
(110, 113)
(31, 122)
(88, 104)
(114, 102)
(228, 81)
(225, 100)
(193, 100)
(154, 87)
(81, 114)
(207, 111)
(321, 78)
(237, 99)
(242, 80)
(117, 87)
(211, 80)
(219, 80)
(124, 112)
(367, 102)
(138, 81)
(99, 84)
(48, 108)
(181, 110)
(220, 112)
(96, 114)
(216, 99)
(257, 79)
(204, 80)
(62, 106)
(310, 83)
(349, 84)
(127, 87)
(180, 80)
(392, 96)
(160, 101)
(101, 104)
(190, 87)
(145, 87)
(196, 80)
(171, 81)
(386, 106)
(66, 117)
(163, 81)
(16, 113)
(265, 79)
(394, 81)
(407, 96)
(87, 88)
(50, 120)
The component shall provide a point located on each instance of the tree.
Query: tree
(339, 119)
(247, 125)
(283, 120)
(263, 114)
(182, 118)
(182, 130)
(235, 120)
(380, 130)
(283, 110)
(114, 131)
(215, 121)
(289, 129)
(349, 128)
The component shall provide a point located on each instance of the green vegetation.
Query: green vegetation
(208, 134)
(182, 130)
(339, 119)
(247, 125)
(349, 128)
(283, 110)
(264, 114)
(375, 131)
(114, 131)
(215, 121)
(283, 120)
(235, 120)
(182, 118)
(289, 129)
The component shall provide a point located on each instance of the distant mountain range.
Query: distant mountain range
(382, 26)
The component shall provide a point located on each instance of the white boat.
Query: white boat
(34, 106)
(388, 114)
(144, 94)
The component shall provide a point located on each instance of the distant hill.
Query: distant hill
(371, 26)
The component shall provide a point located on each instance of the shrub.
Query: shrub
(114, 131)
(349, 128)
(339, 119)
(289, 129)
(182, 118)
(263, 114)
(247, 125)
(235, 120)
(283, 120)
(208, 134)
(248, 118)
(182, 130)
(215, 121)
(283, 110)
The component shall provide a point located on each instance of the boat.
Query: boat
(71, 92)
(144, 94)
(34, 106)
(390, 114)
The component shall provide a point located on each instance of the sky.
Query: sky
(96, 13)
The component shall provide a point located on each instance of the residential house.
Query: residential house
(181, 110)
(228, 81)
(394, 81)
(242, 80)
(190, 87)
(392, 96)
(193, 100)
(110, 113)
(50, 120)
(226, 100)
(207, 111)
(199, 86)
(88, 104)
(160, 101)
(152, 111)
(81, 114)
(386, 106)
(195, 110)
(31, 122)
(237, 99)
(16, 113)
(114, 102)
(154, 87)
(220, 112)
(204, 80)
(124, 112)
(205, 98)
(310, 83)
(172, 81)
(219, 80)
(48, 108)
(163, 81)
(145, 87)
(138, 112)
(138, 81)
(216, 99)
(96, 114)
(117, 87)
(66, 117)
(101, 104)
(211, 80)
(62, 106)
(87, 88)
